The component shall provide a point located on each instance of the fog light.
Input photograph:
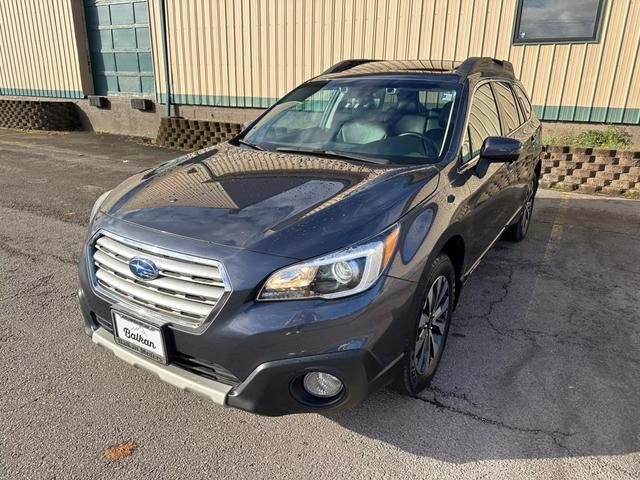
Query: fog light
(322, 384)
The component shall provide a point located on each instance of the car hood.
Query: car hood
(295, 206)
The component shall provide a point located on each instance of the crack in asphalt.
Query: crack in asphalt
(449, 394)
(554, 434)
(16, 252)
(493, 303)
(530, 335)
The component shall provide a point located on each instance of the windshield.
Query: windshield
(395, 120)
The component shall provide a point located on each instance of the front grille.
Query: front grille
(186, 290)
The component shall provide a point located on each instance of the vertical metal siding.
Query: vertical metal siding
(247, 53)
(38, 49)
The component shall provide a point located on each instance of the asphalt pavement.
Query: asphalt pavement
(540, 379)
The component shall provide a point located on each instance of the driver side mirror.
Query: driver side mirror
(500, 149)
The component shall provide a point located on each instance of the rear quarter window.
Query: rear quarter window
(484, 120)
(524, 101)
(508, 107)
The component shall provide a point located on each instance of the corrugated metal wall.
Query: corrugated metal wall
(246, 53)
(39, 50)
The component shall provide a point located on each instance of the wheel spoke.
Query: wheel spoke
(436, 342)
(420, 341)
(426, 355)
(440, 285)
(440, 312)
(429, 305)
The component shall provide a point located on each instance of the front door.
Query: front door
(487, 205)
(120, 46)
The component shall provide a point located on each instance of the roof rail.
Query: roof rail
(346, 65)
(485, 64)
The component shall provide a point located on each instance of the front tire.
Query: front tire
(517, 231)
(424, 349)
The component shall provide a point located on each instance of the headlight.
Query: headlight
(96, 206)
(335, 275)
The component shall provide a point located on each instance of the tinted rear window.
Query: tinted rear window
(483, 119)
(524, 101)
(508, 107)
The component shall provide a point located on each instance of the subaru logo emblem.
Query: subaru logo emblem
(143, 269)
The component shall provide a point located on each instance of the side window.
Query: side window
(508, 107)
(483, 119)
(524, 101)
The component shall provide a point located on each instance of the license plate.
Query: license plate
(139, 336)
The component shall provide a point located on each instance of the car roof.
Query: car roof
(479, 66)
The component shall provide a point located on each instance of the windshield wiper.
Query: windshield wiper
(250, 145)
(333, 154)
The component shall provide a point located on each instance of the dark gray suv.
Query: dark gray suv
(318, 255)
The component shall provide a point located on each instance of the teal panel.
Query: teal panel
(614, 115)
(566, 113)
(129, 84)
(120, 42)
(145, 62)
(141, 12)
(143, 38)
(539, 110)
(127, 62)
(147, 84)
(122, 14)
(100, 40)
(98, 15)
(582, 114)
(631, 115)
(103, 62)
(106, 83)
(124, 38)
(551, 112)
(21, 92)
(598, 114)
(569, 113)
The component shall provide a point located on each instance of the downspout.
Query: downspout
(165, 52)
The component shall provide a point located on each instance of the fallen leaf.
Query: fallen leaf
(122, 450)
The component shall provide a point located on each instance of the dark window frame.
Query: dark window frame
(594, 38)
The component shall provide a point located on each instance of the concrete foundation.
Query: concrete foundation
(120, 118)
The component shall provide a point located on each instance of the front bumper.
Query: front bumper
(272, 389)
(253, 354)
(178, 377)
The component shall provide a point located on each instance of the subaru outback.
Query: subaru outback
(319, 254)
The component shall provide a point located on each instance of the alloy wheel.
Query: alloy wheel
(528, 208)
(431, 329)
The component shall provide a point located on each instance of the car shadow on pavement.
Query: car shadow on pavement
(543, 359)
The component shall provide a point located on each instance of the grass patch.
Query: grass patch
(613, 137)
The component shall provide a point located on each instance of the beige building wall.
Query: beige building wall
(247, 53)
(42, 50)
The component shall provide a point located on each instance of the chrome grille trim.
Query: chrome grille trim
(187, 293)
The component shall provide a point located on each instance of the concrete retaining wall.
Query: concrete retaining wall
(592, 170)
(29, 115)
(185, 134)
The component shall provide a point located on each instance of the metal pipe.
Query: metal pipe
(165, 52)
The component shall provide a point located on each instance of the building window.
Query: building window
(557, 21)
